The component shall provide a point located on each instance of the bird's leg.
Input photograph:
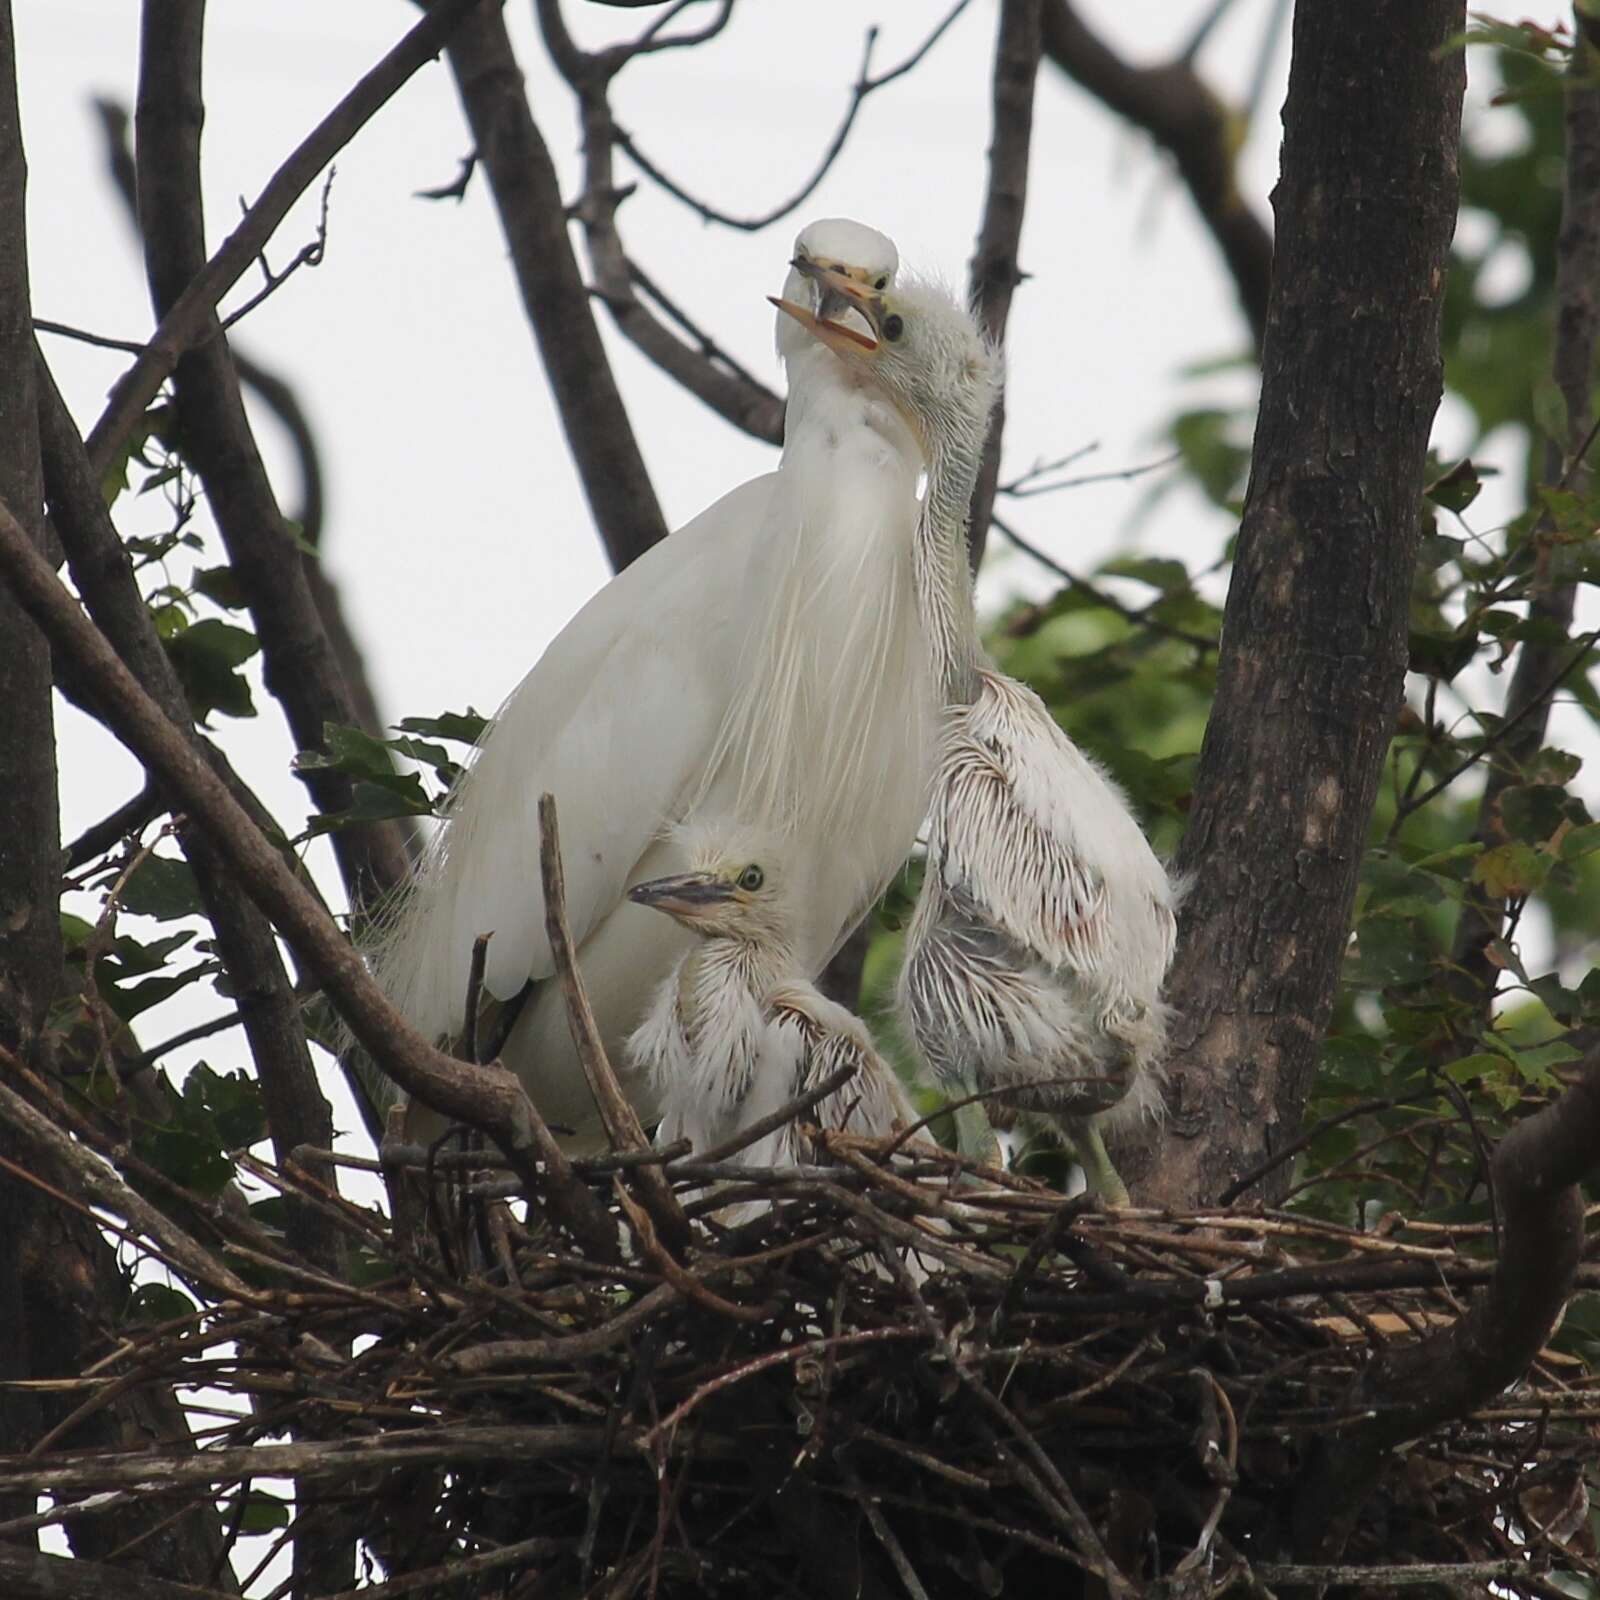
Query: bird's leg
(1100, 1177)
(975, 1136)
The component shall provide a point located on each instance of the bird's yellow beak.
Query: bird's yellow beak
(838, 284)
(687, 896)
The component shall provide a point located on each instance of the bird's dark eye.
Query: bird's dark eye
(881, 284)
(751, 879)
(893, 327)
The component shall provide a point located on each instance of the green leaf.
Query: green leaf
(401, 795)
(207, 655)
(263, 1513)
(463, 727)
(164, 888)
(1457, 488)
(221, 587)
(1510, 869)
(1160, 572)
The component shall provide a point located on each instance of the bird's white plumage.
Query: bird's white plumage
(736, 1030)
(764, 661)
(1045, 926)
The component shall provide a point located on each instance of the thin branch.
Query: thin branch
(485, 1097)
(131, 817)
(1139, 616)
(527, 197)
(995, 273)
(190, 318)
(300, 668)
(616, 1112)
(865, 85)
(699, 366)
(1175, 107)
(1472, 976)
(1537, 1169)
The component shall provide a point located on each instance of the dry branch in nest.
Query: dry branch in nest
(891, 1380)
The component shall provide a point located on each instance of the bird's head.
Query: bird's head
(918, 344)
(855, 252)
(733, 891)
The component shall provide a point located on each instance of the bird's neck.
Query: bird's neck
(943, 575)
(726, 962)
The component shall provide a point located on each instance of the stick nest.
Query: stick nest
(874, 1376)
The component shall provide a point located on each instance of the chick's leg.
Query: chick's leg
(1101, 1178)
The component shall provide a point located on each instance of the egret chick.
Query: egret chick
(737, 1030)
(764, 661)
(1042, 936)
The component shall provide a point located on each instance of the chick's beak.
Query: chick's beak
(838, 289)
(687, 896)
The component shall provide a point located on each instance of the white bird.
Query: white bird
(1045, 926)
(1041, 937)
(765, 662)
(736, 1031)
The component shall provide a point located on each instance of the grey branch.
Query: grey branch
(995, 273)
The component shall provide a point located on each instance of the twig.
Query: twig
(486, 1097)
(309, 255)
(1310, 1137)
(620, 1119)
(1139, 616)
(130, 818)
(995, 273)
(883, 1533)
(192, 312)
(864, 86)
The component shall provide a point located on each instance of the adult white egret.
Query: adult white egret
(765, 661)
(1044, 929)
(736, 1030)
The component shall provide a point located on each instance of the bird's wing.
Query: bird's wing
(616, 720)
(1040, 840)
(822, 1037)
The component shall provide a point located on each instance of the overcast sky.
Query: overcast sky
(456, 525)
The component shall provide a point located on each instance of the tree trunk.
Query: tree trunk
(1314, 636)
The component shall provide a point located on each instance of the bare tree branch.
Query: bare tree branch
(865, 85)
(700, 367)
(485, 1097)
(1308, 684)
(279, 397)
(291, 1096)
(192, 317)
(527, 197)
(1412, 1388)
(299, 666)
(1173, 105)
(995, 273)
(30, 923)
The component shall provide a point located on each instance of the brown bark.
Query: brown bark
(1536, 1170)
(1313, 650)
(527, 197)
(299, 666)
(30, 930)
(995, 272)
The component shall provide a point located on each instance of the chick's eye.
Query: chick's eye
(880, 283)
(751, 879)
(893, 327)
